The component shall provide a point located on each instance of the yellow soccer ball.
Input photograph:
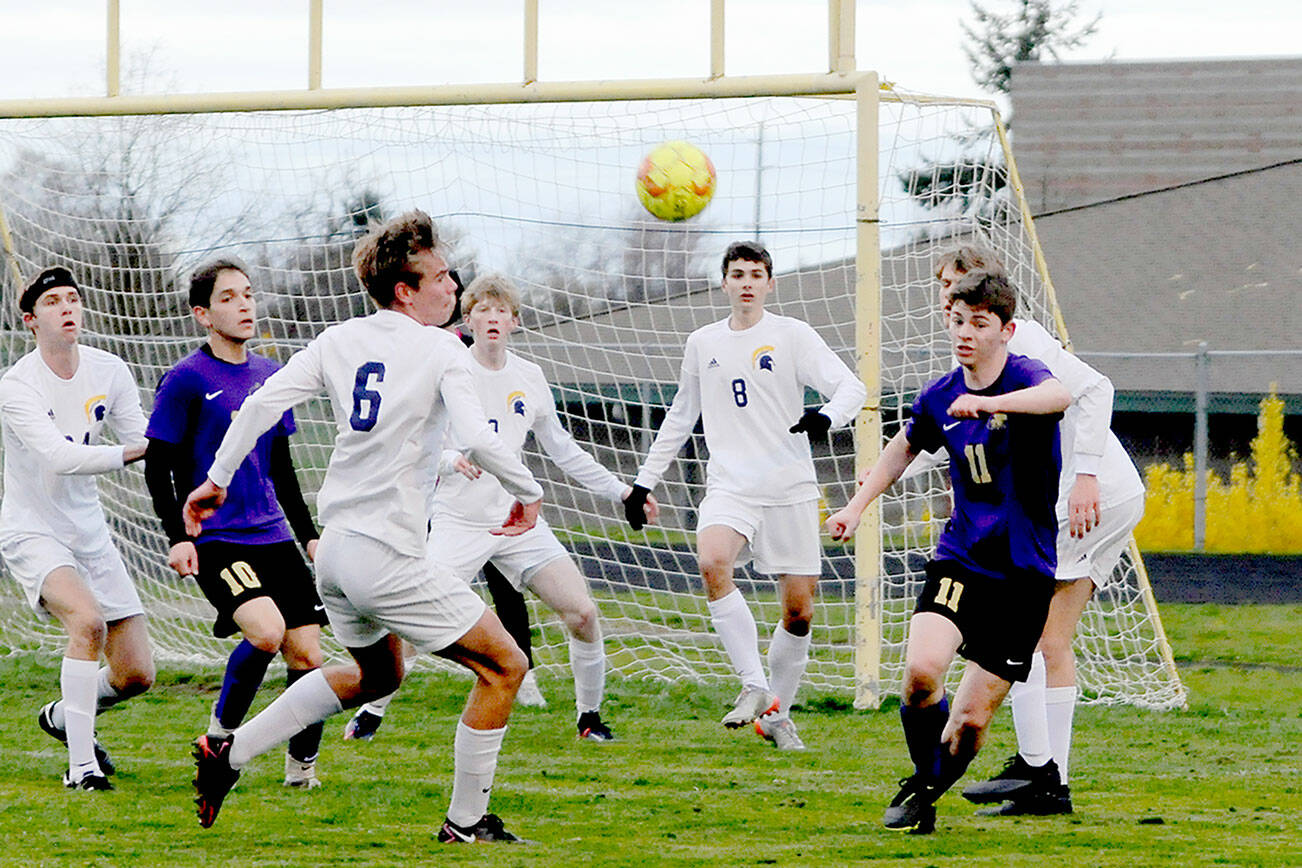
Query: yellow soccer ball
(675, 181)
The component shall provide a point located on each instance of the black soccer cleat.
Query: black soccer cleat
(488, 830)
(214, 776)
(1015, 780)
(592, 728)
(1033, 804)
(46, 722)
(913, 810)
(362, 726)
(90, 781)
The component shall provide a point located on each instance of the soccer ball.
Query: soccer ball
(675, 181)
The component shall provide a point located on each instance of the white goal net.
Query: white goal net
(544, 193)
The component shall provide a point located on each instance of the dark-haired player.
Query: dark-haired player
(54, 404)
(990, 581)
(744, 377)
(245, 561)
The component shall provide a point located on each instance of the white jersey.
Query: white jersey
(1088, 444)
(389, 380)
(748, 387)
(52, 431)
(517, 401)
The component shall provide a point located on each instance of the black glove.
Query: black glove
(634, 506)
(813, 423)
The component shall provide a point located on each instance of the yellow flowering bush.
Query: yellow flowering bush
(1259, 509)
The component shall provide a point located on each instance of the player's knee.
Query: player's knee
(583, 622)
(796, 619)
(375, 683)
(1056, 649)
(921, 686)
(512, 666)
(87, 631)
(136, 680)
(297, 657)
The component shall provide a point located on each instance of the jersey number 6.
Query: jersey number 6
(365, 421)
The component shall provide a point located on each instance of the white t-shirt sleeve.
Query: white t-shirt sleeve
(566, 454)
(125, 416)
(1091, 391)
(301, 378)
(469, 429)
(818, 366)
(27, 417)
(679, 421)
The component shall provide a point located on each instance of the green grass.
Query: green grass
(1217, 784)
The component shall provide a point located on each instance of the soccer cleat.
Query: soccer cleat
(592, 729)
(362, 726)
(1015, 780)
(751, 703)
(488, 830)
(1034, 804)
(301, 775)
(214, 776)
(46, 722)
(529, 694)
(913, 809)
(779, 730)
(89, 781)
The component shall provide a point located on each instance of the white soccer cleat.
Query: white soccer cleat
(300, 775)
(529, 694)
(779, 730)
(751, 703)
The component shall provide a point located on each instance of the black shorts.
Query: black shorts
(231, 574)
(1001, 619)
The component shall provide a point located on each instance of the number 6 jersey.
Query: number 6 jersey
(389, 380)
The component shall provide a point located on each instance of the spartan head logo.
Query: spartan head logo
(96, 409)
(762, 359)
(996, 422)
(515, 402)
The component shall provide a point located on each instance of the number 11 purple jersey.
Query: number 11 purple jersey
(1004, 469)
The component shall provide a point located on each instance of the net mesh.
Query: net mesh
(544, 194)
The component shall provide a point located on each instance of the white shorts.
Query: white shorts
(1096, 554)
(370, 590)
(783, 540)
(464, 550)
(32, 557)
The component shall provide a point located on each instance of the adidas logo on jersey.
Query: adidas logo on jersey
(714, 363)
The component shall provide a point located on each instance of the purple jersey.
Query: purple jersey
(1004, 470)
(195, 403)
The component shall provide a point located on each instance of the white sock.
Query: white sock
(106, 695)
(307, 701)
(588, 661)
(77, 683)
(735, 625)
(474, 754)
(788, 657)
(377, 706)
(1060, 708)
(1027, 700)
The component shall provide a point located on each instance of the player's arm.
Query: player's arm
(819, 367)
(561, 447)
(1092, 395)
(678, 424)
(469, 425)
(125, 415)
(25, 413)
(1045, 398)
(897, 456)
(289, 494)
(163, 474)
(301, 378)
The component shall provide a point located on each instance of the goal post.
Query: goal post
(853, 186)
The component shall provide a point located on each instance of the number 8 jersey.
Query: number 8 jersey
(748, 388)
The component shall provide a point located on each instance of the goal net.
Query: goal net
(544, 193)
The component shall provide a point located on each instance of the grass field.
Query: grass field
(1218, 784)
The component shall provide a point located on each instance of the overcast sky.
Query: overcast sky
(56, 47)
